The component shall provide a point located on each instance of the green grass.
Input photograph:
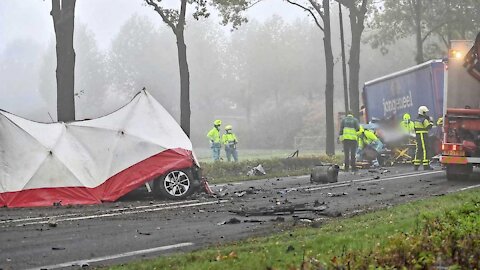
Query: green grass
(337, 242)
(222, 172)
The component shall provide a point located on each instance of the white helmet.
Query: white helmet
(422, 110)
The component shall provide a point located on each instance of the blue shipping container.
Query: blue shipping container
(405, 91)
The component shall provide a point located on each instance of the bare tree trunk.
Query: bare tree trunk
(329, 86)
(184, 73)
(356, 25)
(63, 13)
(184, 84)
(418, 31)
(344, 66)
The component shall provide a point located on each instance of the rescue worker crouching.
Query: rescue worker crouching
(348, 136)
(422, 125)
(230, 141)
(367, 138)
(214, 136)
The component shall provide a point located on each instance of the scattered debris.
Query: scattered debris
(439, 194)
(58, 248)
(230, 221)
(316, 203)
(375, 193)
(258, 170)
(240, 194)
(325, 173)
(336, 194)
(361, 188)
(278, 219)
(231, 255)
(376, 177)
(59, 203)
(278, 210)
(52, 222)
(290, 248)
(143, 233)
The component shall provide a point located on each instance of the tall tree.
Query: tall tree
(320, 13)
(63, 13)
(358, 12)
(176, 20)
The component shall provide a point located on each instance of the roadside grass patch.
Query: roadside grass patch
(222, 172)
(439, 232)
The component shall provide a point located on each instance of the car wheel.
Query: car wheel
(174, 185)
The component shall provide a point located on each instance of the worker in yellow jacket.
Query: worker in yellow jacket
(367, 138)
(407, 125)
(214, 136)
(230, 141)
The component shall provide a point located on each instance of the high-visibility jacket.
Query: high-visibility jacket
(214, 135)
(407, 126)
(422, 124)
(349, 128)
(366, 138)
(229, 139)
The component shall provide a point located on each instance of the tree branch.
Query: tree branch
(435, 29)
(317, 7)
(309, 11)
(253, 4)
(162, 14)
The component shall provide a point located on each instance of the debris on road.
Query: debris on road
(361, 189)
(324, 173)
(240, 194)
(230, 221)
(52, 222)
(143, 233)
(258, 170)
(336, 194)
(58, 248)
(278, 210)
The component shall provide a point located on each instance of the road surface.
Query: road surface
(141, 226)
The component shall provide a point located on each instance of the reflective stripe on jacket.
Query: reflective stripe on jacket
(229, 138)
(422, 124)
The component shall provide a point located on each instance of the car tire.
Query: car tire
(174, 185)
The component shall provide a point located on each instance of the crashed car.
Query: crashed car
(97, 160)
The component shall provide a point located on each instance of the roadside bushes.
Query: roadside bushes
(451, 241)
(220, 172)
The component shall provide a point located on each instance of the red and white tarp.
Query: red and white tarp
(87, 162)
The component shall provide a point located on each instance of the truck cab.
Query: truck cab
(461, 139)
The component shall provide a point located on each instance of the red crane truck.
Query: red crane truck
(461, 141)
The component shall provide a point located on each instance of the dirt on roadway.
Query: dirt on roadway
(141, 226)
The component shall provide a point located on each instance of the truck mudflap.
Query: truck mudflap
(459, 160)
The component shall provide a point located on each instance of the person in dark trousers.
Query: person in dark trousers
(348, 136)
(422, 125)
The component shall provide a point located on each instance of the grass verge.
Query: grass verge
(222, 172)
(427, 234)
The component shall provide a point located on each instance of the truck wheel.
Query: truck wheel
(174, 185)
(459, 172)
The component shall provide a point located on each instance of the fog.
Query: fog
(266, 78)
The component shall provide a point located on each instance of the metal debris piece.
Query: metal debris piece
(336, 194)
(230, 221)
(258, 170)
(52, 222)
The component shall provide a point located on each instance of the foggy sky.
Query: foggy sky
(30, 19)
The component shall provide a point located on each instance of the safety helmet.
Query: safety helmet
(217, 122)
(440, 121)
(228, 127)
(406, 117)
(422, 110)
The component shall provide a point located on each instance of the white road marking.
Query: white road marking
(105, 211)
(370, 180)
(469, 187)
(124, 213)
(112, 257)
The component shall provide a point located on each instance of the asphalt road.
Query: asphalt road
(140, 226)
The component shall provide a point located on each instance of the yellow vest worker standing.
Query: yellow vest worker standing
(348, 135)
(230, 141)
(422, 126)
(214, 137)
